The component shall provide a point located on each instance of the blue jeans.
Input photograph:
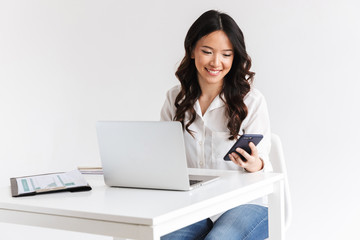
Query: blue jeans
(245, 222)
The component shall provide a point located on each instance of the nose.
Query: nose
(215, 61)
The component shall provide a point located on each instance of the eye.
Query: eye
(206, 52)
(227, 55)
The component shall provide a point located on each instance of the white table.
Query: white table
(142, 213)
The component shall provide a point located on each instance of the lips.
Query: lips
(213, 72)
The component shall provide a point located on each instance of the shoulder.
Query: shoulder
(254, 97)
(168, 110)
(173, 92)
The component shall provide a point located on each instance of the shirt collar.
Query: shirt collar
(216, 103)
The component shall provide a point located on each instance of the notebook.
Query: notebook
(145, 154)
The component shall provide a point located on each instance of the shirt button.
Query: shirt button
(200, 143)
(201, 163)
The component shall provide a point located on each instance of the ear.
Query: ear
(192, 54)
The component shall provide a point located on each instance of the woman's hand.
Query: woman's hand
(253, 163)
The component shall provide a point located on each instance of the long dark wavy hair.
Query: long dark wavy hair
(237, 82)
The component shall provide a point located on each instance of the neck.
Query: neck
(210, 91)
(208, 94)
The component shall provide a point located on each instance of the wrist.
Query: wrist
(258, 166)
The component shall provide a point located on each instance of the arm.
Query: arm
(257, 121)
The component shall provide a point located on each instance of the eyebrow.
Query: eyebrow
(225, 50)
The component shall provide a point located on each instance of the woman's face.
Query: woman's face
(213, 55)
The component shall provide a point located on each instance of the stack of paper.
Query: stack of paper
(52, 182)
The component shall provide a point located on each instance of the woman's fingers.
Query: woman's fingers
(254, 151)
(252, 159)
(235, 158)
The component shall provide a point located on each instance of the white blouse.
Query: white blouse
(210, 142)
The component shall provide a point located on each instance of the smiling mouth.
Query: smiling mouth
(213, 72)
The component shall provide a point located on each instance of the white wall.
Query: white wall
(66, 64)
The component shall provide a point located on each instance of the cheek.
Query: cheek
(200, 63)
(228, 65)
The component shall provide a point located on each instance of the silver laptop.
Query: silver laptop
(145, 155)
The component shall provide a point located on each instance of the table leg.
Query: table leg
(277, 212)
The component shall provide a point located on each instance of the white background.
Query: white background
(66, 64)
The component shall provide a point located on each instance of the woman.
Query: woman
(216, 104)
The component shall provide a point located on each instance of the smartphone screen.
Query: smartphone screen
(243, 142)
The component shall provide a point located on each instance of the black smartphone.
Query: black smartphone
(243, 142)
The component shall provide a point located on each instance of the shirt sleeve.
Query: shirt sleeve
(258, 121)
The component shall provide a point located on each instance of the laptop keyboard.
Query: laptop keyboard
(192, 182)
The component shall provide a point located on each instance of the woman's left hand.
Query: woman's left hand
(253, 163)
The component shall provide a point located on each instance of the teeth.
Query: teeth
(213, 72)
